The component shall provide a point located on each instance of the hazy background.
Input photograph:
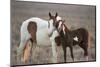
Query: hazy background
(76, 16)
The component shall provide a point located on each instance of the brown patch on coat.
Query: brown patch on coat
(53, 17)
(32, 29)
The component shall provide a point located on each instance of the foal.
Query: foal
(69, 38)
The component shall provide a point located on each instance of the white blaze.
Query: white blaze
(59, 26)
(64, 29)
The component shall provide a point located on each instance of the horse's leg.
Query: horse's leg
(54, 59)
(86, 52)
(53, 44)
(64, 50)
(71, 50)
(84, 46)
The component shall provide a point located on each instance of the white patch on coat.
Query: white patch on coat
(58, 18)
(76, 38)
(59, 26)
(64, 30)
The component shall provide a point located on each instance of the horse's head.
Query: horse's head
(59, 25)
(53, 21)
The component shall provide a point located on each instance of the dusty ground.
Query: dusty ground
(76, 16)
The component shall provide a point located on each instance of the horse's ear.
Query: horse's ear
(56, 14)
(49, 14)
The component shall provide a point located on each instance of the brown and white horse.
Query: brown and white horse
(38, 31)
(69, 38)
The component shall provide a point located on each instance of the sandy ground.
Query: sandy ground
(75, 16)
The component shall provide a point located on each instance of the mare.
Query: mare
(37, 31)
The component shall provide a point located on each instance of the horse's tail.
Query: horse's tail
(89, 40)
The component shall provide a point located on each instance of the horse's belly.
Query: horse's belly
(43, 38)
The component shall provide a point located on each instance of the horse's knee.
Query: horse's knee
(65, 56)
(71, 50)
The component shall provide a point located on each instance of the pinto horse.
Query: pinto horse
(38, 31)
(69, 38)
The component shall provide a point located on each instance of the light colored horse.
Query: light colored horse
(38, 30)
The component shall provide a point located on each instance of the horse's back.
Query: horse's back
(40, 22)
(81, 33)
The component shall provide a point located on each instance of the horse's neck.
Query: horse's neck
(65, 31)
(66, 28)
